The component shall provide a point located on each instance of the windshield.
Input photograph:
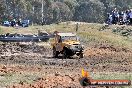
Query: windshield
(69, 38)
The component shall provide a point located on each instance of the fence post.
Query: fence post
(77, 26)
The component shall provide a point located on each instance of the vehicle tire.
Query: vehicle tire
(81, 55)
(55, 53)
(64, 53)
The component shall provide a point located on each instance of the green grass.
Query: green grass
(15, 78)
(112, 75)
(96, 37)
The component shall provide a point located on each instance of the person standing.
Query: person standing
(13, 23)
(130, 16)
(115, 16)
(19, 22)
(110, 19)
(124, 17)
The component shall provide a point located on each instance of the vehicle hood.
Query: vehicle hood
(71, 42)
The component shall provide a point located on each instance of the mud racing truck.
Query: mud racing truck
(67, 44)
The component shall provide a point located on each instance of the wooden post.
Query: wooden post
(77, 26)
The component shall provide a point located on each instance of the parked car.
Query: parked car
(6, 23)
(25, 23)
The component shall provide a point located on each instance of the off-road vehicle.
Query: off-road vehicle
(67, 44)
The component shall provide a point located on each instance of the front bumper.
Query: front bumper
(76, 48)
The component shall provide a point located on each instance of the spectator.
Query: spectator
(120, 19)
(19, 22)
(110, 19)
(124, 17)
(115, 16)
(130, 16)
(13, 23)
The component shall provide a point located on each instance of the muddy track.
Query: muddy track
(93, 64)
(49, 61)
(32, 54)
(42, 55)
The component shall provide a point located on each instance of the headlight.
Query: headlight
(83, 46)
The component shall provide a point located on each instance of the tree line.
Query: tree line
(55, 11)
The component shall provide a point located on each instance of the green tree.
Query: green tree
(90, 11)
(2, 10)
(61, 12)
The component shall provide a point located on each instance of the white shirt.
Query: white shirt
(124, 16)
(130, 14)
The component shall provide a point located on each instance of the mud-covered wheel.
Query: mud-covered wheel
(55, 53)
(81, 55)
(64, 54)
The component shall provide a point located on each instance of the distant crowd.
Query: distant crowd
(120, 17)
